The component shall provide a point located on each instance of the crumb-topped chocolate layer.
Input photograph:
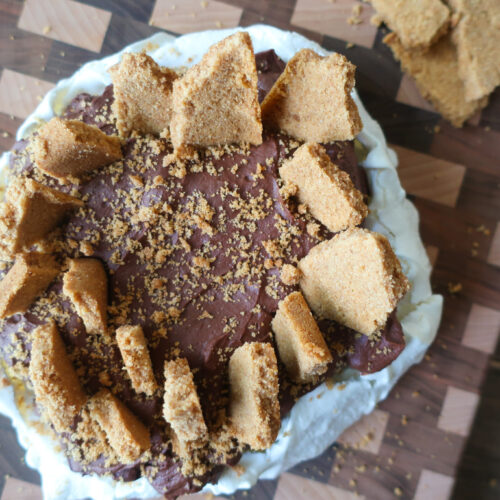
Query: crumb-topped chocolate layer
(194, 252)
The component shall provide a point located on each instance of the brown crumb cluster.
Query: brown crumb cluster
(135, 354)
(68, 149)
(125, 433)
(56, 385)
(31, 211)
(360, 284)
(254, 407)
(301, 345)
(85, 283)
(143, 95)
(27, 279)
(311, 100)
(216, 101)
(327, 191)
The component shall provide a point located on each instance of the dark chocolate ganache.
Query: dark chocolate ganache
(193, 254)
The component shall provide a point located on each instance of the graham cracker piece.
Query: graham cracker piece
(126, 434)
(355, 279)
(477, 38)
(181, 406)
(311, 100)
(324, 188)
(30, 275)
(142, 95)
(134, 350)
(301, 345)
(436, 75)
(216, 101)
(31, 211)
(57, 388)
(417, 24)
(68, 149)
(254, 407)
(86, 285)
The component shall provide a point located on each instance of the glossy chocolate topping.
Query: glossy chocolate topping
(193, 256)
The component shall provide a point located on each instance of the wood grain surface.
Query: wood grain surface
(438, 433)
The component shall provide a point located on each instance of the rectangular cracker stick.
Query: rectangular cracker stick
(301, 345)
(26, 280)
(418, 24)
(327, 191)
(126, 434)
(135, 354)
(56, 385)
(436, 75)
(254, 408)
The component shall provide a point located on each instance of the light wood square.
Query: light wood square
(433, 485)
(67, 21)
(428, 177)
(408, 93)
(482, 329)
(457, 413)
(194, 15)
(20, 94)
(15, 489)
(330, 18)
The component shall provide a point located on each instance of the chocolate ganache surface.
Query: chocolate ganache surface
(193, 253)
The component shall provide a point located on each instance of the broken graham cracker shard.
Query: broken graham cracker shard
(57, 388)
(181, 407)
(301, 345)
(30, 275)
(311, 100)
(477, 38)
(134, 350)
(30, 212)
(126, 434)
(436, 75)
(254, 407)
(86, 285)
(417, 24)
(216, 101)
(355, 279)
(324, 188)
(68, 149)
(142, 95)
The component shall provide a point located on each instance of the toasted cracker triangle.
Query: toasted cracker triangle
(355, 279)
(311, 99)
(216, 101)
(142, 95)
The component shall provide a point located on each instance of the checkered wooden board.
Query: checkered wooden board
(411, 445)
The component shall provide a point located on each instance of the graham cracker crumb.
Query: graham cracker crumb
(216, 101)
(56, 385)
(86, 285)
(135, 354)
(436, 75)
(181, 407)
(327, 190)
(30, 212)
(26, 280)
(477, 38)
(70, 148)
(311, 100)
(417, 24)
(126, 434)
(355, 279)
(254, 408)
(143, 95)
(290, 275)
(301, 345)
